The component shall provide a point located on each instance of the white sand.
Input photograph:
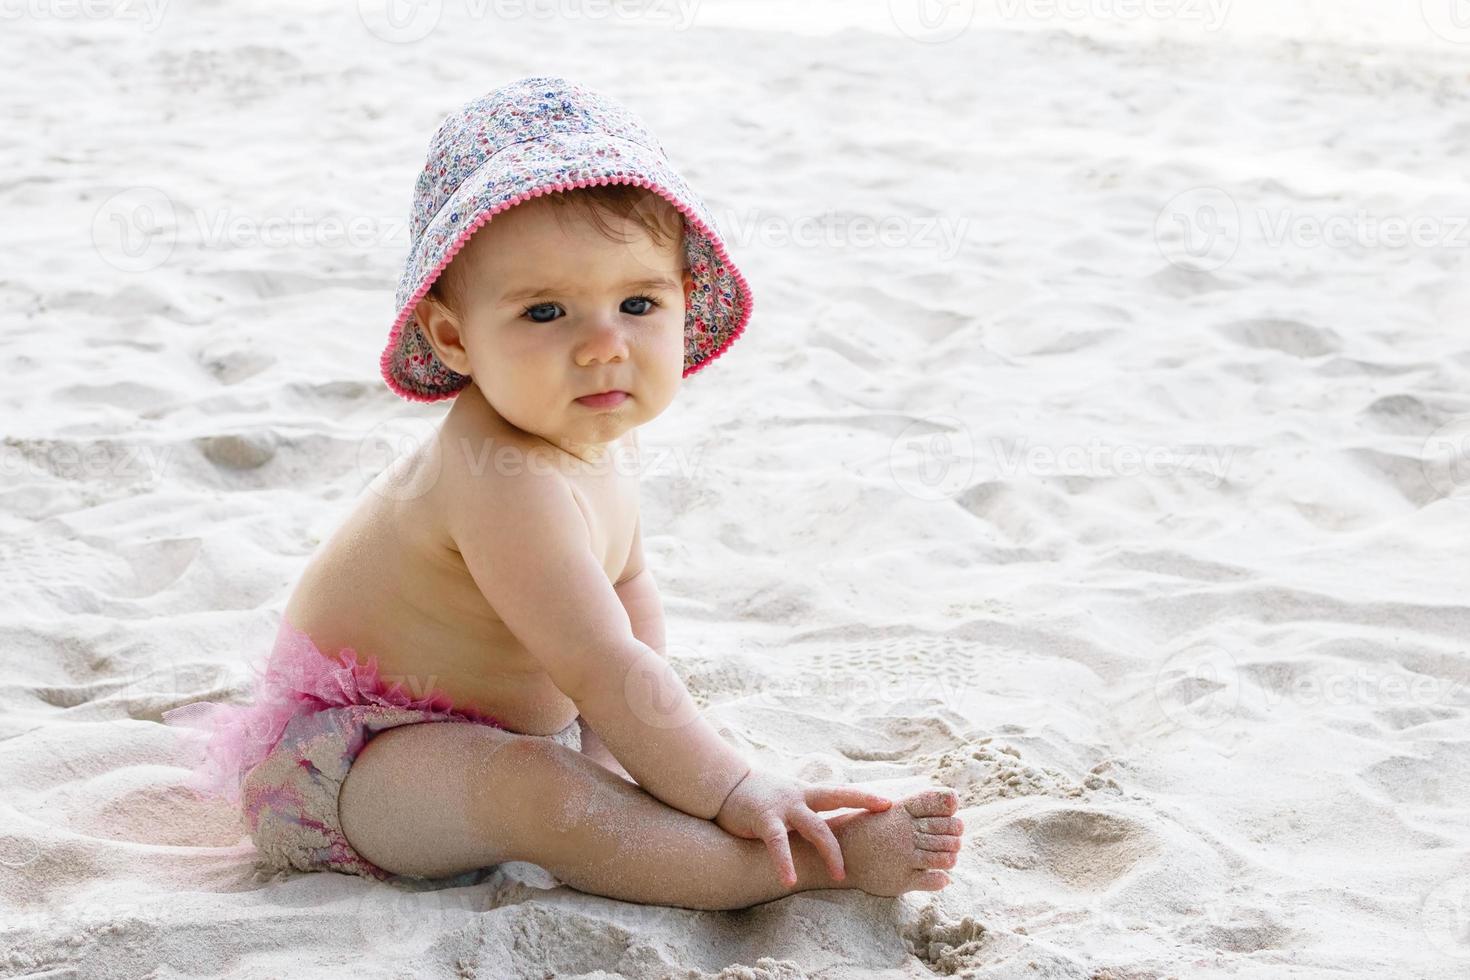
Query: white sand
(1162, 568)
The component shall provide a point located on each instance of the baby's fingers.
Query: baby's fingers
(815, 829)
(836, 797)
(773, 832)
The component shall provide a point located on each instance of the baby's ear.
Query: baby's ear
(441, 328)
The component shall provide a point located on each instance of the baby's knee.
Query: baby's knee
(553, 799)
(526, 777)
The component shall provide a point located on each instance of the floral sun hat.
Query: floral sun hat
(532, 137)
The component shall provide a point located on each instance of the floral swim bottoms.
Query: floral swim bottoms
(283, 756)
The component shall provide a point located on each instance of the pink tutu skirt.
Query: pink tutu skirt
(282, 757)
(228, 740)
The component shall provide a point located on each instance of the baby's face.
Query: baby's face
(553, 310)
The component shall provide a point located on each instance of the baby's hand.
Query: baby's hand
(764, 805)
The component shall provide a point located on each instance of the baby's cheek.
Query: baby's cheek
(673, 342)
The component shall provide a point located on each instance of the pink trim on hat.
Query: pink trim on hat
(404, 315)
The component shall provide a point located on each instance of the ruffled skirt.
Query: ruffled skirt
(228, 740)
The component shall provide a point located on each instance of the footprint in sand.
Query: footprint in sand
(1287, 336)
(1082, 849)
(1403, 415)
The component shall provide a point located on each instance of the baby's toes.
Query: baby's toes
(938, 842)
(933, 803)
(936, 859)
(930, 881)
(940, 825)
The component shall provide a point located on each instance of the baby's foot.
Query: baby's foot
(900, 849)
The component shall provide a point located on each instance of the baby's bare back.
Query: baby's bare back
(390, 583)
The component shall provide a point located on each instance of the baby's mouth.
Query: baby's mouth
(606, 399)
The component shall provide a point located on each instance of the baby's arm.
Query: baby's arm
(593, 749)
(528, 548)
(639, 595)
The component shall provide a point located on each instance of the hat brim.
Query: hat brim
(718, 308)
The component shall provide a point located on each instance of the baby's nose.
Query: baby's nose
(604, 340)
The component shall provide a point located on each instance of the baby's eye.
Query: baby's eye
(546, 312)
(532, 311)
(643, 305)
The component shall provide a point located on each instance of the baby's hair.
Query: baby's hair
(660, 219)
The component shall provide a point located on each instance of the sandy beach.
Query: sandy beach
(1099, 448)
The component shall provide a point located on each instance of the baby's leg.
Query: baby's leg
(437, 799)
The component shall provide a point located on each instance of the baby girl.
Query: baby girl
(563, 279)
